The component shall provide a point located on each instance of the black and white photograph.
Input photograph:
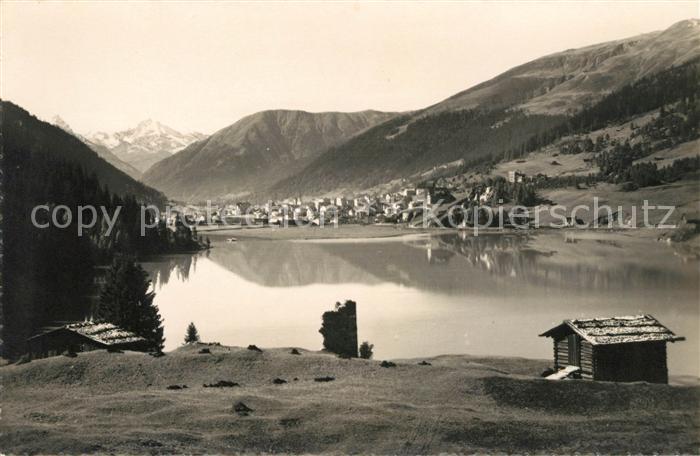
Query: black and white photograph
(349, 227)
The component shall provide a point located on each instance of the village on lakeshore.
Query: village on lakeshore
(425, 206)
(390, 208)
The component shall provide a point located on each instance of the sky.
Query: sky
(200, 66)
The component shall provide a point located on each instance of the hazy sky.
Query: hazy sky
(202, 66)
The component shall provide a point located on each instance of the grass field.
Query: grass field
(666, 157)
(683, 196)
(104, 402)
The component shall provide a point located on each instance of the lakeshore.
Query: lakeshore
(373, 231)
(349, 231)
(457, 404)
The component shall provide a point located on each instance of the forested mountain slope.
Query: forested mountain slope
(507, 116)
(23, 133)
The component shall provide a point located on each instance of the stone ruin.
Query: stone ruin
(339, 330)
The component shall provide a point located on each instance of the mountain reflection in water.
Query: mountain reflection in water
(448, 293)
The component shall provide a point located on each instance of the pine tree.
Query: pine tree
(192, 335)
(127, 302)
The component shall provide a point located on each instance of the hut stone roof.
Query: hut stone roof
(616, 330)
(105, 333)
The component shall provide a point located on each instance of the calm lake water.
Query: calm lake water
(439, 294)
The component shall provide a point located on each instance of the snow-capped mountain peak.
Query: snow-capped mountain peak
(98, 147)
(105, 139)
(146, 143)
(150, 127)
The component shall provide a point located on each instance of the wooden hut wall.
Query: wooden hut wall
(561, 353)
(587, 368)
(56, 342)
(631, 362)
(562, 357)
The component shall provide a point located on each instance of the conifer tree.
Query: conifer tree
(127, 302)
(192, 335)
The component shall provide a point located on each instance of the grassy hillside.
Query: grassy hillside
(394, 150)
(458, 404)
(564, 82)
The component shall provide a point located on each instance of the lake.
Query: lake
(429, 295)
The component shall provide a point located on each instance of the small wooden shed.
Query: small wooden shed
(85, 336)
(619, 349)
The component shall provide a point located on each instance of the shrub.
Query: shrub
(628, 187)
(366, 350)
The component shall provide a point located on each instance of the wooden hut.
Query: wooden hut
(86, 336)
(619, 349)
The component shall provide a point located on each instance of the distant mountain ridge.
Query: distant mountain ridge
(564, 82)
(495, 116)
(101, 150)
(281, 153)
(145, 144)
(24, 133)
(255, 152)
